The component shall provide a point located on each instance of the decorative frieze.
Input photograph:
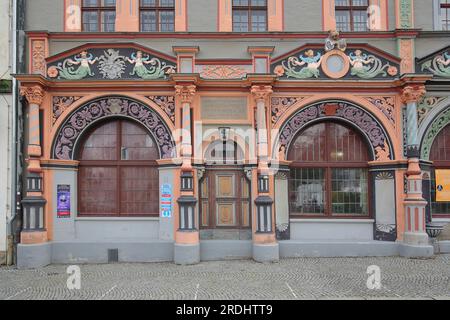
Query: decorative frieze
(223, 71)
(111, 64)
(438, 64)
(318, 63)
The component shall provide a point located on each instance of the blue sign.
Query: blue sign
(166, 200)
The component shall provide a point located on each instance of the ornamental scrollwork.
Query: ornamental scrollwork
(111, 64)
(83, 117)
(437, 125)
(167, 104)
(61, 104)
(280, 105)
(373, 130)
(439, 65)
(385, 105)
(426, 105)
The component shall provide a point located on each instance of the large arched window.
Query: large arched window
(440, 155)
(329, 172)
(118, 175)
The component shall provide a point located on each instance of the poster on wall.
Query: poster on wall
(63, 201)
(442, 185)
(166, 201)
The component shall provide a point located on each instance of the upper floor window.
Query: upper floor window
(99, 15)
(157, 15)
(445, 14)
(352, 15)
(249, 15)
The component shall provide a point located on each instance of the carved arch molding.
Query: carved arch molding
(109, 107)
(436, 126)
(365, 122)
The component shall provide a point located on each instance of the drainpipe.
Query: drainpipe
(13, 139)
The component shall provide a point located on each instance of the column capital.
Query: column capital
(261, 92)
(185, 92)
(34, 94)
(413, 93)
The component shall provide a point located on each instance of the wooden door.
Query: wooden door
(225, 200)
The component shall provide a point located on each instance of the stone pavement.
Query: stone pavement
(303, 278)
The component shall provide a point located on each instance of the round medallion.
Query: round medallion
(335, 64)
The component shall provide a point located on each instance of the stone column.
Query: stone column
(33, 230)
(265, 246)
(187, 241)
(415, 239)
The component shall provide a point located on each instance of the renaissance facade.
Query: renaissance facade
(180, 130)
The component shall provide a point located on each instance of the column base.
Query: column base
(416, 238)
(32, 256)
(33, 237)
(416, 251)
(186, 254)
(269, 252)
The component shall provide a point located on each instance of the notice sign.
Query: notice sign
(63, 201)
(166, 200)
(443, 185)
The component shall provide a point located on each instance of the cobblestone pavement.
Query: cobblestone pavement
(304, 278)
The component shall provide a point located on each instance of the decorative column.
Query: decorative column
(415, 239)
(265, 246)
(187, 241)
(33, 230)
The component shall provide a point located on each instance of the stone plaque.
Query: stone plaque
(224, 108)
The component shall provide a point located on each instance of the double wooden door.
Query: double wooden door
(225, 200)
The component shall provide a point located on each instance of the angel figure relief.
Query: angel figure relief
(311, 69)
(156, 69)
(84, 60)
(366, 66)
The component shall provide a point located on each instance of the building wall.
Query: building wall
(5, 114)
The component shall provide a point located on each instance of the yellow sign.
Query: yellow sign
(442, 185)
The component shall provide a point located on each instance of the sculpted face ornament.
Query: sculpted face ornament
(334, 41)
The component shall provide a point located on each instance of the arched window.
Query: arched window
(440, 155)
(118, 175)
(329, 172)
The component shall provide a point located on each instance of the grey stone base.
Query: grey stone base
(442, 247)
(186, 254)
(293, 249)
(415, 251)
(211, 250)
(87, 252)
(31, 256)
(266, 252)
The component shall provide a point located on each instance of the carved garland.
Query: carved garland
(436, 126)
(360, 118)
(83, 117)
